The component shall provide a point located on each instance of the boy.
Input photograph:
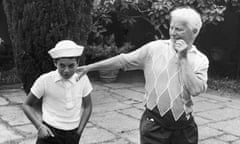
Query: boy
(66, 103)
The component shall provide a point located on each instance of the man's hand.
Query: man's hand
(181, 48)
(82, 70)
(44, 132)
(180, 45)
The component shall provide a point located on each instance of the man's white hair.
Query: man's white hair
(191, 16)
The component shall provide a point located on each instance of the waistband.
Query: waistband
(167, 121)
(60, 130)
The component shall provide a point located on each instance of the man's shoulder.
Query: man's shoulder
(159, 43)
(201, 54)
(158, 46)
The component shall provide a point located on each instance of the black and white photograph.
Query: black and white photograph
(119, 71)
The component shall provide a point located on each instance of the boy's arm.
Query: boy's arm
(29, 108)
(87, 110)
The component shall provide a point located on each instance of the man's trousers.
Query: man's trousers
(154, 132)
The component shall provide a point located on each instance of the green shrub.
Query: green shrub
(106, 48)
(127, 13)
(9, 77)
(35, 26)
(155, 12)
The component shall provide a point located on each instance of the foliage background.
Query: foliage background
(146, 20)
(35, 27)
(155, 12)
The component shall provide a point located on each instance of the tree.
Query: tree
(35, 26)
(155, 15)
(155, 12)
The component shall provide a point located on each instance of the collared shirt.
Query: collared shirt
(62, 99)
(154, 57)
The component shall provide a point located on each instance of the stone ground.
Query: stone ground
(117, 108)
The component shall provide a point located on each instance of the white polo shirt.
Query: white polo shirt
(62, 99)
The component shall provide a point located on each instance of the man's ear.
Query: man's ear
(194, 31)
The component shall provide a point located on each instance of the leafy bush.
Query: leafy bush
(6, 56)
(127, 13)
(9, 77)
(106, 48)
(155, 12)
(224, 84)
(35, 26)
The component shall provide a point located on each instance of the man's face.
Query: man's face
(66, 67)
(179, 30)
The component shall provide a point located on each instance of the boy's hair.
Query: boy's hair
(190, 15)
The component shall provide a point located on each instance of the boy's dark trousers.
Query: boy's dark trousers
(155, 129)
(61, 137)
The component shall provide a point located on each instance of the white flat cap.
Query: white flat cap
(66, 48)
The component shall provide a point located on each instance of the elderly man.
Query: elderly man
(174, 71)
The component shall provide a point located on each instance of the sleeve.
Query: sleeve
(135, 59)
(87, 89)
(38, 87)
(202, 71)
